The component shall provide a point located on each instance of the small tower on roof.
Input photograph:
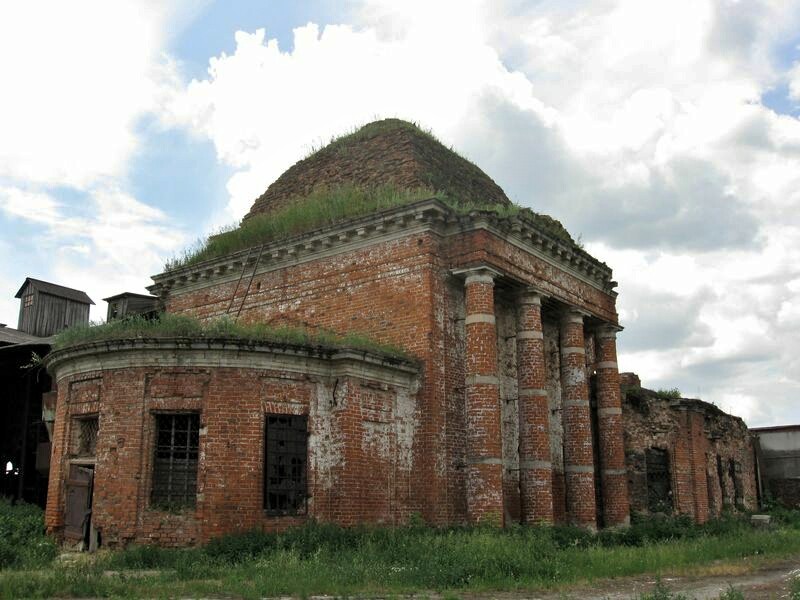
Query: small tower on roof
(46, 308)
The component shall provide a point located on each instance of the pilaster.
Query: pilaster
(613, 473)
(483, 419)
(536, 470)
(578, 453)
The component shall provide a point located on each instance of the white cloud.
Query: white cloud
(33, 206)
(107, 247)
(637, 124)
(264, 108)
(76, 77)
(794, 82)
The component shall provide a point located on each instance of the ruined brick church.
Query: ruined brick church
(506, 408)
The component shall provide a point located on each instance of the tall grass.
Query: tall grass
(323, 207)
(23, 543)
(168, 325)
(328, 206)
(318, 558)
(341, 143)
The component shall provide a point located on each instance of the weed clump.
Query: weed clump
(322, 207)
(168, 325)
(23, 544)
(326, 206)
(322, 558)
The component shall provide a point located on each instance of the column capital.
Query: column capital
(477, 274)
(573, 314)
(608, 330)
(530, 295)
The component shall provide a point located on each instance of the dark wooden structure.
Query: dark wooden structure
(128, 304)
(27, 406)
(47, 308)
(24, 439)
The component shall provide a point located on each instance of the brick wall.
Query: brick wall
(388, 152)
(385, 291)
(359, 444)
(401, 291)
(710, 454)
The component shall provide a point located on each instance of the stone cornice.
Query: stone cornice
(229, 352)
(425, 215)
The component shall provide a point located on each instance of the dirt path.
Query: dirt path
(768, 582)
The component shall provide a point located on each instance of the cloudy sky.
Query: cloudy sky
(666, 135)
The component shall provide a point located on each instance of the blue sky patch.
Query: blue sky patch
(212, 32)
(178, 173)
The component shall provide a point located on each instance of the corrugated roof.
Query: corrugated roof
(55, 290)
(8, 335)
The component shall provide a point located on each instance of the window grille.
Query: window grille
(659, 492)
(84, 436)
(285, 485)
(175, 460)
(27, 300)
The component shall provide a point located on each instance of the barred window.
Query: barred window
(175, 460)
(659, 494)
(84, 436)
(285, 464)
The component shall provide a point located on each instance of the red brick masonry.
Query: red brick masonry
(510, 410)
(361, 412)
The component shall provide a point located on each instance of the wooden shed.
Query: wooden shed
(47, 308)
(129, 304)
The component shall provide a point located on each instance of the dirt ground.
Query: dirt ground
(770, 581)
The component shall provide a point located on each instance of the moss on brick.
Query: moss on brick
(168, 325)
(382, 165)
(330, 206)
(389, 152)
(323, 207)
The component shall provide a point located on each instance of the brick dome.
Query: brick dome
(386, 152)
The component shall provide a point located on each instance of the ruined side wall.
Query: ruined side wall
(731, 476)
(710, 454)
(361, 434)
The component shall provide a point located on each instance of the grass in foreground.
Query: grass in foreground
(22, 540)
(168, 325)
(327, 559)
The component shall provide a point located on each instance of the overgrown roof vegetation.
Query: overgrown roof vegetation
(387, 152)
(325, 207)
(362, 133)
(167, 325)
(382, 165)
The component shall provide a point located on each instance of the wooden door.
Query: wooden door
(78, 502)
